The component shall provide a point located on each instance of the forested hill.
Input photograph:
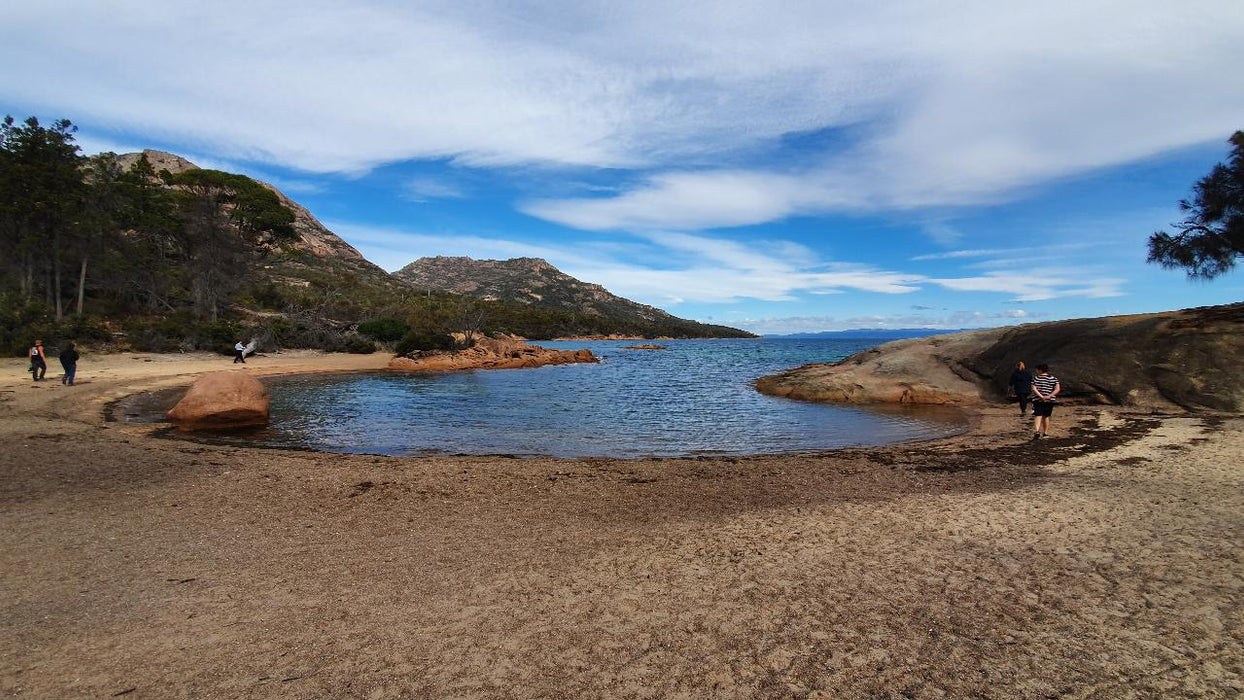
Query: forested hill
(314, 251)
(145, 251)
(535, 282)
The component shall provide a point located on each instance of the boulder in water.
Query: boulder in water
(222, 400)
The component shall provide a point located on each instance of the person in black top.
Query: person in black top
(69, 360)
(1021, 384)
(38, 361)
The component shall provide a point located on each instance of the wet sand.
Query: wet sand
(1103, 562)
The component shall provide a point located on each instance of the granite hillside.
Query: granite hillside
(535, 282)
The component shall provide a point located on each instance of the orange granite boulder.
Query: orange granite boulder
(222, 400)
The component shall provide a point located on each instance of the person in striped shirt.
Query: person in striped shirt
(1045, 388)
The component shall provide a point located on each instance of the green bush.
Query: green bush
(424, 339)
(360, 346)
(182, 332)
(386, 330)
(22, 322)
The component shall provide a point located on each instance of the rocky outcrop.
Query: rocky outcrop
(222, 400)
(491, 353)
(645, 346)
(1187, 359)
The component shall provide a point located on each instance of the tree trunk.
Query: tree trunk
(81, 284)
(60, 307)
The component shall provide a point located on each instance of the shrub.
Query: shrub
(360, 346)
(424, 339)
(386, 330)
(22, 322)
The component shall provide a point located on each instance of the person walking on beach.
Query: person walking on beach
(239, 353)
(38, 361)
(1021, 384)
(1045, 388)
(69, 360)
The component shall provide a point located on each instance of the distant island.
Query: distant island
(871, 333)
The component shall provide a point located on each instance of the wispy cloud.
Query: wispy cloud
(948, 104)
(425, 189)
(814, 324)
(693, 267)
(1040, 284)
(702, 268)
(1012, 253)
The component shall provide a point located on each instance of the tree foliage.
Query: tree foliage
(41, 201)
(225, 218)
(1210, 239)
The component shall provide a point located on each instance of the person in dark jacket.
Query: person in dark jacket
(1021, 384)
(69, 360)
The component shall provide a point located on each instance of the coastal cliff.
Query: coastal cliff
(1177, 360)
(491, 353)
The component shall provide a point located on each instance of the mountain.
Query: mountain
(320, 275)
(872, 333)
(317, 254)
(534, 282)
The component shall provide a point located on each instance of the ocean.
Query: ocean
(694, 398)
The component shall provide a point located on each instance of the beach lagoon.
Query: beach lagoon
(693, 398)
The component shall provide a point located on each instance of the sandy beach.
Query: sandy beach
(1104, 562)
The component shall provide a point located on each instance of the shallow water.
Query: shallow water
(694, 398)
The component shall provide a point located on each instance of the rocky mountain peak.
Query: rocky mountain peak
(524, 280)
(160, 160)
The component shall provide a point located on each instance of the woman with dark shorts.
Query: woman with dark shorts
(1045, 388)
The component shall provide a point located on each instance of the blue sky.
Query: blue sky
(779, 167)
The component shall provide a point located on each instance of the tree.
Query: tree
(1210, 240)
(41, 201)
(146, 268)
(225, 218)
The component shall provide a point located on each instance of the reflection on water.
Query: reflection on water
(695, 398)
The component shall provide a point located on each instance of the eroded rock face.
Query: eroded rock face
(222, 400)
(492, 353)
(1189, 359)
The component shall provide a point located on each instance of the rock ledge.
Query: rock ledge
(491, 353)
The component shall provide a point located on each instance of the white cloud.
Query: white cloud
(954, 320)
(698, 268)
(1039, 284)
(949, 103)
(424, 189)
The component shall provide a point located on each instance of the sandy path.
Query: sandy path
(1107, 564)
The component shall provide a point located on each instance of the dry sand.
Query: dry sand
(1104, 562)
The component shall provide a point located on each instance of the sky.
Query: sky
(778, 167)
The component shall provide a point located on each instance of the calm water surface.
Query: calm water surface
(694, 398)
